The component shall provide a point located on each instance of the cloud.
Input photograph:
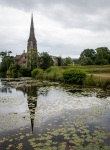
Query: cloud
(90, 14)
(62, 27)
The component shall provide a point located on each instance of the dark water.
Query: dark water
(53, 118)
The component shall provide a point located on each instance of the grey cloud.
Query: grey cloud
(91, 15)
(70, 13)
(79, 6)
(58, 48)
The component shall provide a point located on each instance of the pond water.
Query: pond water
(54, 117)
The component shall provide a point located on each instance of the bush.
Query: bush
(25, 72)
(74, 76)
(8, 74)
(35, 72)
(54, 73)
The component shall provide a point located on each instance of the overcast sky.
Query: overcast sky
(62, 27)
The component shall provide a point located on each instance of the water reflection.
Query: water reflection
(5, 90)
(32, 103)
(32, 94)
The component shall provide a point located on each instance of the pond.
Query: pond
(54, 118)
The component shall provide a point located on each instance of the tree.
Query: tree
(87, 53)
(68, 61)
(3, 54)
(15, 70)
(86, 61)
(24, 72)
(45, 60)
(9, 52)
(75, 60)
(6, 62)
(60, 61)
(102, 56)
(87, 57)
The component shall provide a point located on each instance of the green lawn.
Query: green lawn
(92, 69)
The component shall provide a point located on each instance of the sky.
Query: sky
(62, 27)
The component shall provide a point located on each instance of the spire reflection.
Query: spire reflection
(31, 99)
(32, 103)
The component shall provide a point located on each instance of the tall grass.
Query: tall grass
(53, 73)
(101, 82)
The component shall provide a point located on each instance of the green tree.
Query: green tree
(87, 57)
(45, 60)
(102, 56)
(25, 72)
(9, 52)
(86, 61)
(75, 60)
(68, 61)
(60, 61)
(87, 53)
(15, 70)
(6, 62)
(3, 54)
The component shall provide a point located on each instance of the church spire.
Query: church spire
(32, 48)
(32, 24)
(32, 34)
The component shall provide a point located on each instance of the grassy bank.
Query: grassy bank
(89, 79)
(96, 81)
(91, 69)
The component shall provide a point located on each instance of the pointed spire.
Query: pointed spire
(32, 24)
(32, 35)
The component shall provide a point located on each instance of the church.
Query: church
(29, 59)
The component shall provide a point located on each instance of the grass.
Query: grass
(98, 76)
(103, 83)
(91, 69)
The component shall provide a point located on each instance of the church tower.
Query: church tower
(32, 48)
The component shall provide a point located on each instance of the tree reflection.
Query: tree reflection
(5, 90)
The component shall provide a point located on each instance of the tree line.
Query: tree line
(8, 66)
(99, 56)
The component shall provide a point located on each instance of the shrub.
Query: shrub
(25, 72)
(35, 72)
(8, 74)
(74, 76)
(53, 73)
